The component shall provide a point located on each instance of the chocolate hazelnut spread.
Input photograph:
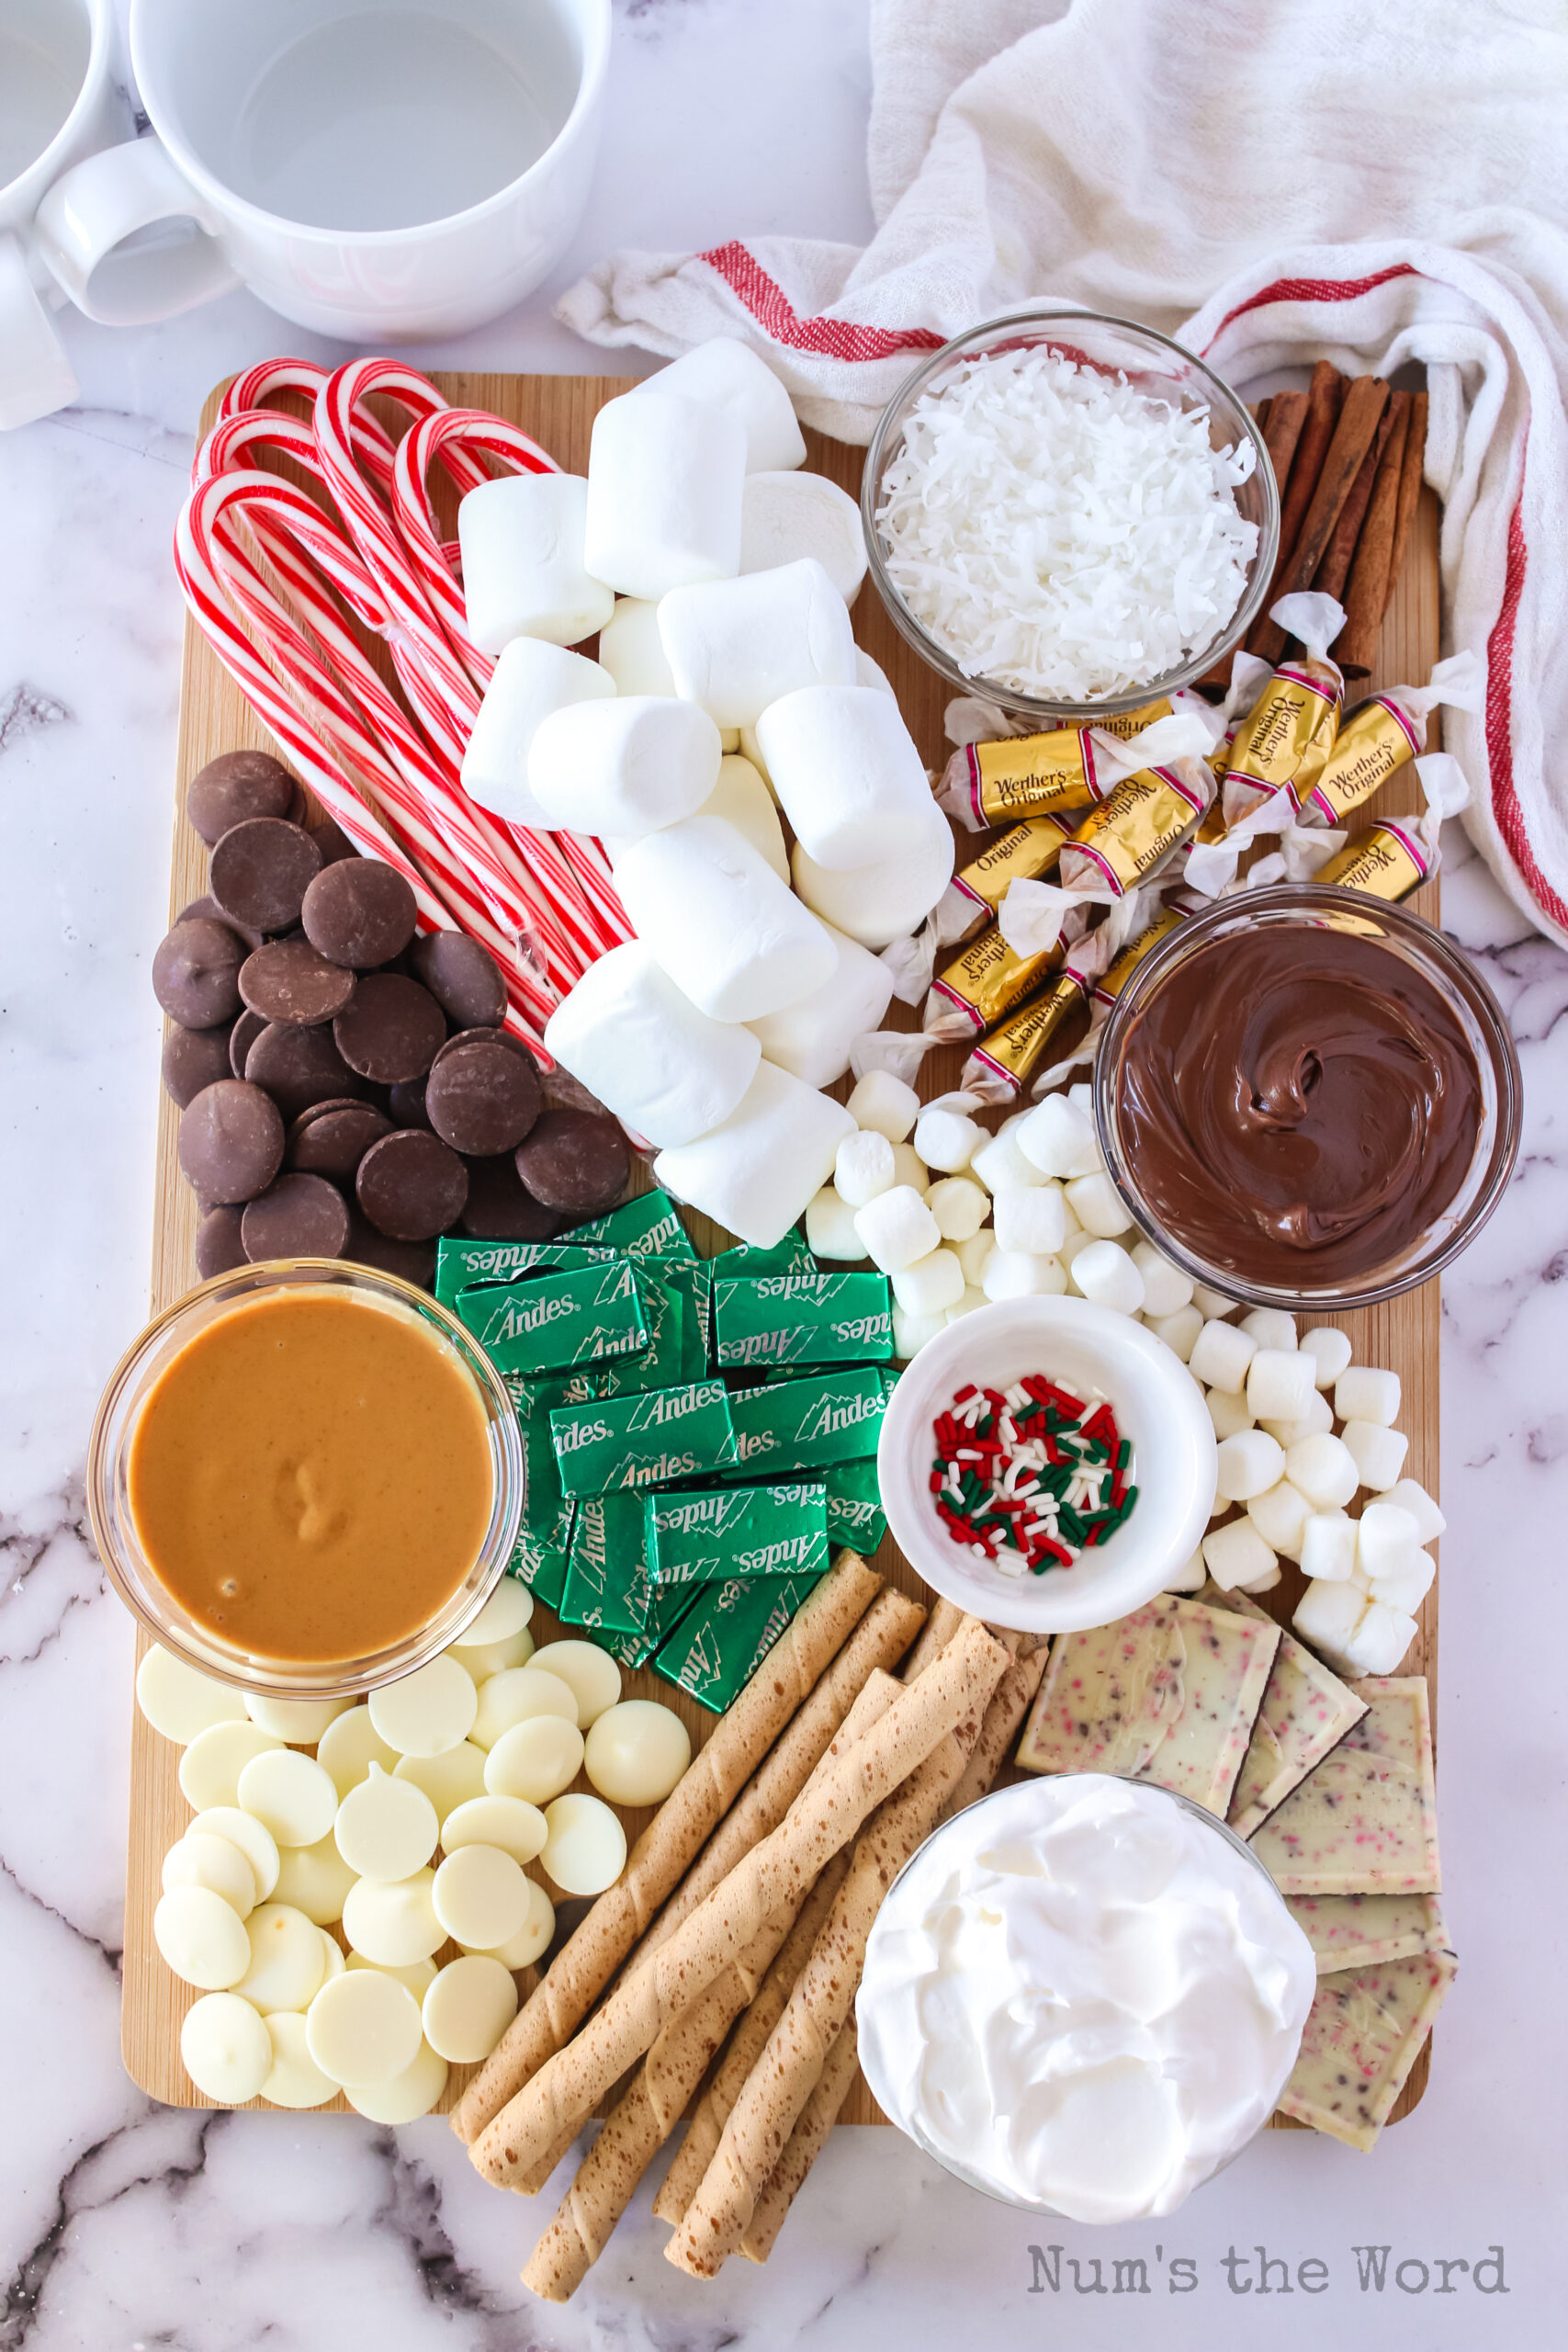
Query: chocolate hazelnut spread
(1297, 1103)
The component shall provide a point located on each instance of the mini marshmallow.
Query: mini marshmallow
(1412, 1497)
(712, 911)
(959, 1207)
(897, 1228)
(841, 762)
(1212, 1302)
(967, 1304)
(1264, 1583)
(883, 901)
(1316, 1417)
(744, 802)
(1098, 1205)
(814, 1037)
(738, 645)
(1227, 1409)
(1010, 1275)
(1249, 1463)
(1329, 1350)
(1077, 1239)
(724, 373)
(973, 1253)
(1179, 1332)
(786, 516)
(1191, 1577)
(1221, 1356)
(530, 681)
(1329, 1546)
(1030, 1217)
(1166, 1287)
(912, 1332)
(1363, 1393)
(1385, 1535)
(931, 1285)
(867, 672)
(881, 1101)
(1278, 1385)
(634, 1040)
(524, 574)
(664, 484)
(1271, 1327)
(1325, 1469)
(1000, 1164)
(1328, 1615)
(1380, 1641)
(1060, 1140)
(909, 1168)
(632, 650)
(1378, 1452)
(947, 1139)
(831, 1228)
(1235, 1553)
(1406, 1583)
(623, 766)
(862, 1168)
(1279, 1514)
(1103, 1272)
(758, 1169)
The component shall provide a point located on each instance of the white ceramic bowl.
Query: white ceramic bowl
(1159, 1406)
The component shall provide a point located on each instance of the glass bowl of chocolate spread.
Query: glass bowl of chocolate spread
(1308, 1098)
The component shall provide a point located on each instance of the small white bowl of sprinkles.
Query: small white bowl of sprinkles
(1047, 1465)
(1069, 514)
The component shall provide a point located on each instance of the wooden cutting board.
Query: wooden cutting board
(558, 412)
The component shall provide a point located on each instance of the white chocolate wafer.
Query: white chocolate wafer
(386, 1828)
(468, 2008)
(295, 2080)
(290, 1794)
(258, 1845)
(286, 1960)
(226, 2048)
(350, 1746)
(392, 1924)
(179, 1702)
(429, 1711)
(201, 1860)
(514, 1825)
(363, 2027)
(315, 1880)
(211, 1764)
(585, 1850)
(201, 1937)
(408, 2095)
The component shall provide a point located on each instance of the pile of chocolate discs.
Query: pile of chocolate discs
(346, 1087)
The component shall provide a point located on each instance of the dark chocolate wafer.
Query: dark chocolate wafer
(193, 1059)
(411, 1262)
(230, 1143)
(411, 1186)
(464, 978)
(286, 981)
(482, 1096)
(242, 1037)
(332, 1137)
(577, 1161)
(219, 1248)
(391, 1030)
(299, 1068)
(196, 973)
(234, 787)
(359, 912)
(500, 1207)
(261, 870)
(297, 1216)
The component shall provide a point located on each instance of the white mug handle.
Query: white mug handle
(93, 208)
(36, 377)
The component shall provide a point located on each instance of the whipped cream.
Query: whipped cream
(1083, 1996)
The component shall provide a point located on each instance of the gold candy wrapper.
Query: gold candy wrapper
(1022, 853)
(1374, 741)
(1389, 863)
(1129, 723)
(1111, 982)
(1006, 1058)
(1023, 775)
(1288, 736)
(983, 983)
(1135, 827)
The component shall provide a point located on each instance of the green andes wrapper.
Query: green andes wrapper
(802, 1318)
(700, 1537)
(663, 1364)
(652, 1438)
(693, 1283)
(792, 1425)
(607, 1582)
(544, 1538)
(745, 1260)
(463, 1265)
(555, 1322)
(645, 1227)
(855, 1515)
(667, 1606)
(714, 1652)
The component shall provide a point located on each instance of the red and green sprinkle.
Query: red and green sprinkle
(1031, 1476)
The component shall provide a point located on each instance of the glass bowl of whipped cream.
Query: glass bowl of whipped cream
(1083, 1996)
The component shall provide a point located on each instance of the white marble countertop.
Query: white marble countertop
(123, 2225)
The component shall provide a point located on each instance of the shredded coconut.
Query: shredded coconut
(1059, 531)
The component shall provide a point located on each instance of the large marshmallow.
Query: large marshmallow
(884, 901)
(646, 1051)
(742, 798)
(813, 1037)
(709, 907)
(724, 373)
(737, 646)
(786, 516)
(846, 773)
(624, 767)
(760, 1170)
(632, 650)
(524, 568)
(664, 481)
(530, 681)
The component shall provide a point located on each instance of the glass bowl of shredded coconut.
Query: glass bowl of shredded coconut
(1069, 514)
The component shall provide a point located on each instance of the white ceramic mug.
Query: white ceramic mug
(375, 169)
(56, 104)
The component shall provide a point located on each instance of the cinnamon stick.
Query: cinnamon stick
(1367, 595)
(1412, 476)
(1281, 435)
(1353, 437)
(1338, 555)
(1324, 397)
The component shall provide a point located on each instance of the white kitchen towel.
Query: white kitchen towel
(1371, 181)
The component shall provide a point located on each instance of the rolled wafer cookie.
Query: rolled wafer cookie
(638, 2125)
(666, 1847)
(824, 1817)
(804, 2145)
(881, 1638)
(939, 1628)
(776, 2090)
(1010, 1702)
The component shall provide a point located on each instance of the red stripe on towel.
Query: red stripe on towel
(832, 338)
